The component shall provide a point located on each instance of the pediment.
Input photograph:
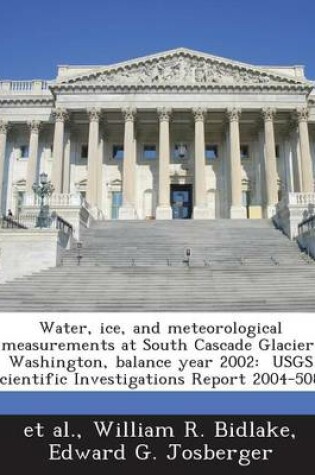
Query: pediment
(178, 71)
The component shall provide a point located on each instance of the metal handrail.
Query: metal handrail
(9, 222)
(306, 225)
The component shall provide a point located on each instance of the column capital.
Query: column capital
(4, 127)
(35, 126)
(164, 113)
(94, 114)
(129, 114)
(301, 114)
(233, 114)
(60, 115)
(268, 113)
(199, 114)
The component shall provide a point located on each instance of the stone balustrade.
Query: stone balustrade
(56, 199)
(301, 198)
(25, 87)
(292, 210)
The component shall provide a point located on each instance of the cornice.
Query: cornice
(228, 89)
(16, 101)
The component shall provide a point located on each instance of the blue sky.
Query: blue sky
(36, 35)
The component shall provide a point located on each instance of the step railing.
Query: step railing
(9, 222)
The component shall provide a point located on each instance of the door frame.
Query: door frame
(183, 187)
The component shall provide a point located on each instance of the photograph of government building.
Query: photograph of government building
(163, 150)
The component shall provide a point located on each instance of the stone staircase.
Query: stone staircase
(235, 265)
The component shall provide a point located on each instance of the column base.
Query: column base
(127, 212)
(202, 212)
(238, 212)
(270, 211)
(164, 212)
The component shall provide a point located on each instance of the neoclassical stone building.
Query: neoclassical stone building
(180, 134)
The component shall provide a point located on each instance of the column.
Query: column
(270, 163)
(306, 160)
(164, 210)
(288, 161)
(295, 155)
(57, 168)
(3, 144)
(201, 211)
(94, 117)
(127, 210)
(99, 168)
(32, 165)
(66, 162)
(237, 211)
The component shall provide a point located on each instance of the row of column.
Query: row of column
(164, 211)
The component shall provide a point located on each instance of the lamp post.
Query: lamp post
(43, 189)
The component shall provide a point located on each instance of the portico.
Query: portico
(237, 136)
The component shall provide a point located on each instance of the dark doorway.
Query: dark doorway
(181, 201)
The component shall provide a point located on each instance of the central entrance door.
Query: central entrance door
(181, 201)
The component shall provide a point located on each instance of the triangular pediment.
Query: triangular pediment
(179, 70)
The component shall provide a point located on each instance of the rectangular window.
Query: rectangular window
(24, 151)
(244, 149)
(149, 152)
(277, 151)
(118, 152)
(84, 151)
(180, 151)
(211, 152)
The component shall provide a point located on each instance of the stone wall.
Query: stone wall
(26, 251)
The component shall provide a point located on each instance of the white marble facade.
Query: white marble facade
(175, 134)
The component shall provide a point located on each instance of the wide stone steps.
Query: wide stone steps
(138, 266)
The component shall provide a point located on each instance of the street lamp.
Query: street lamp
(43, 189)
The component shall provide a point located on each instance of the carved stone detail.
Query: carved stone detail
(164, 113)
(233, 114)
(60, 115)
(199, 114)
(302, 114)
(129, 113)
(94, 114)
(180, 70)
(268, 113)
(35, 126)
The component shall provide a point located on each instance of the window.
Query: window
(211, 152)
(118, 152)
(23, 151)
(51, 151)
(84, 151)
(277, 151)
(149, 152)
(180, 151)
(244, 149)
